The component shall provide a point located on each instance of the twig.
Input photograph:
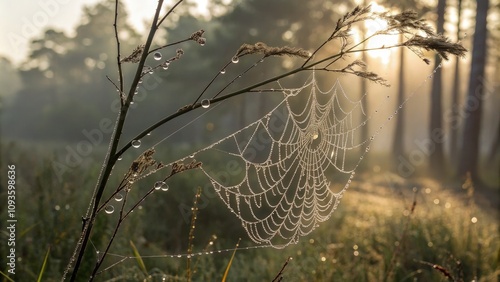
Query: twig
(118, 59)
(167, 14)
(396, 252)
(109, 161)
(117, 88)
(279, 277)
(168, 45)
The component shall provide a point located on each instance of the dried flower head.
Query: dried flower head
(143, 165)
(135, 56)
(197, 35)
(350, 68)
(262, 48)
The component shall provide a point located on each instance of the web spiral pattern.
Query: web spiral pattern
(289, 159)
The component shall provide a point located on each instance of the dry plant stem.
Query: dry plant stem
(118, 59)
(210, 83)
(214, 100)
(110, 158)
(396, 252)
(169, 45)
(279, 277)
(237, 77)
(191, 234)
(120, 220)
(167, 14)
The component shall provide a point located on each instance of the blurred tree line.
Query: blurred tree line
(62, 89)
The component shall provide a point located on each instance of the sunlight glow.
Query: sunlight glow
(372, 26)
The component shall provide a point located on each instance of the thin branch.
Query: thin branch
(167, 14)
(113, 236)
(239, 76)
(170, 44)
(109, 161)
(211, 82)
(118, 59)
(117, 88)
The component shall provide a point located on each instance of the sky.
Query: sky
(22, 20)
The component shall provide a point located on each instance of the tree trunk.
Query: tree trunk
(398, 143)
(455, 100)
(436, 131)
(473, 105)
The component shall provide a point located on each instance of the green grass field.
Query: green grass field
(386, 229)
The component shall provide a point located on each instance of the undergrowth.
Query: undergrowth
(365, 239)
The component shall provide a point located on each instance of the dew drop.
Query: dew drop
(136, 143)
(120, 158)
(109, 209)
(165, 67)
(157, 56)
(315, 135)
(235, 59)
(118, 197)
(150, 71)
(205, 103)
(223, 71)
(158, 185)
(367, 149)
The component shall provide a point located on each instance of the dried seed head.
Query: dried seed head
(135, 56)
(262, 48)
(197, 35)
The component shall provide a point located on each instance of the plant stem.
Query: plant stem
(110, 158)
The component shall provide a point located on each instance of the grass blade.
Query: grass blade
(6, 277)
(44, 265)
(230, 262)
(138, 257)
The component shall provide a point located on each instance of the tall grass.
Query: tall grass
(446, 229)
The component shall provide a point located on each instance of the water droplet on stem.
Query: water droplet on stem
(157, 56)
(235, 59)
(109, 209)
(118, 197)
(136, 143)
(205, 103)
(158, 185)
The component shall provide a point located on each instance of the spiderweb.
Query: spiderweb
(289, 159)
(294, 164)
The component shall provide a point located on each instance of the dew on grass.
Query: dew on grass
(235, 59)
(165, 188)
(223, 71)
(157, 56)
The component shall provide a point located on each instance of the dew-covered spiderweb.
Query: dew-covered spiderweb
(288, 161)
(286, 173)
